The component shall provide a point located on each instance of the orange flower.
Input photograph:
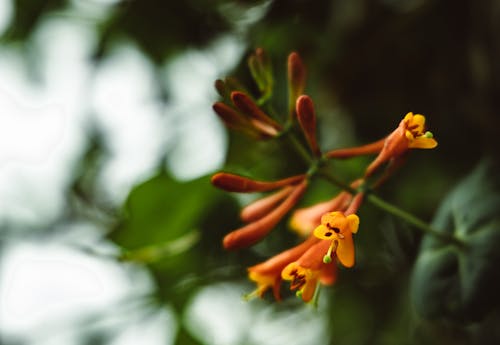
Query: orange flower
(409, 134)
(305, 220)
(309, 270)
(338, 228)
(267, 274)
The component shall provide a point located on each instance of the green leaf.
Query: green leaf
(163, 210)
(460, 283)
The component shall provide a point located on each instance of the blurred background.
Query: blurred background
(110, 232)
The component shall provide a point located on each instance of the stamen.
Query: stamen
(428, 134)
(328, 257)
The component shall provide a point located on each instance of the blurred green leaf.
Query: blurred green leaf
(161, 210)
(461, 283)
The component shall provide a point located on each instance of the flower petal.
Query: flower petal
(408, 117)
(423, 143)
(352, 223)
(287, 273)
(418, 120)
(345, 251)
(309, 289)
(323, 232)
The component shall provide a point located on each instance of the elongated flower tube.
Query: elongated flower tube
(307, 120)
(409, 134)
(240, 184)
(338, 228)
(267, 275)
(367, 149)
(305, 273)
(257, 230)
(260, 207)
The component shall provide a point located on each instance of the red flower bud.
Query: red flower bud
(240, 184)
(307, 120)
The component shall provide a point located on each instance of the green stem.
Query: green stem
(306, 156)
(411, 219)
(334, 180)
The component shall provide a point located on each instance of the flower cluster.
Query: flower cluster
(327, 227)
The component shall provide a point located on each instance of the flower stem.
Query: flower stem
(411, 219)
(300, 148)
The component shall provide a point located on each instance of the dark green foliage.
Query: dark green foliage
(456, 282)
(161, 28)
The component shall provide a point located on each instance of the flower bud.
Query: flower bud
(240, 184)
(307, 120)
(248, 107)
(296, 80)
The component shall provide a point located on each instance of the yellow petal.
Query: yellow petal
(309, 289)
(408, 116)
(323, 233)
(422, 143)
(345, 251)
(352, 223)
(409, 135)
(419, 121)
(287, 271)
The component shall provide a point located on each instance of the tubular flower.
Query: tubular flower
(338, 228)
(409, 134)
(309, 270)
(265, 213)
(267, 275)
(305, 220)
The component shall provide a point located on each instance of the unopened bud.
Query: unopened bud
(248, 107)
(221, 88)
(307, 120)
(260, 68)
(296, 80)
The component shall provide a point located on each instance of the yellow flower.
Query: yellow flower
(305, 273)
(338, 228)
